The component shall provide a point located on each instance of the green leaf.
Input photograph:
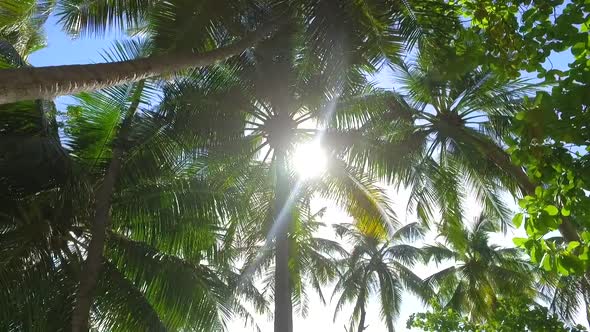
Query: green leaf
(578, 48)
(551, 210)
(517, 220)
(546, 262)
(520, 241)
(560, 268)
(565, 212)
(536, 253)
(572, 245)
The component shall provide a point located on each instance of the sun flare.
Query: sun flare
(309, 160)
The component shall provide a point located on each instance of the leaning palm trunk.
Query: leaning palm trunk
(502, 160)
(102, 218)
(49, 82)
(283, 319)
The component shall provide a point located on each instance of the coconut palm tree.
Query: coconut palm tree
(378, 266)
(480, 273)
(160, 269)
(97, 17)
(311, 261)
(124, 100)
(258, 109)
(453, 113)
(440, 133)
(215, 32)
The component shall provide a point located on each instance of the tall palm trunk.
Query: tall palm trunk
(49, 82)
(102, 219)
(283, 319)
(361, 327)
(362, 299)
(502, 160)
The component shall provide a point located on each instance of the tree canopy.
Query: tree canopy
(166, 196)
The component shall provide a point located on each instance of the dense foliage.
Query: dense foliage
(510, 316)
(166, 197)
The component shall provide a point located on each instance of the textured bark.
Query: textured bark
(502, 160)
(283, 314)
(49, 82)
(102, 219)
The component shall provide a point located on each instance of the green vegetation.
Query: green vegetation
(509, 316)
(167, 196)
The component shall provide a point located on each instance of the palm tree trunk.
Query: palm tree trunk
(361, 327)
(502, 160)
(48, 82)
(362, 299)
(283, 319)
(102, 219)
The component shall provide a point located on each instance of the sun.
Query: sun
(309, 160)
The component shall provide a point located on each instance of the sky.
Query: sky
(62, 49)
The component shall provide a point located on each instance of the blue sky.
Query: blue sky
(62, 50)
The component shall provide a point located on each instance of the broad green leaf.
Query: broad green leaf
(551, 210)
(578, 48)
(560, 268)
(572, 245)
(517, 220)
(546, 262)
(520, 241)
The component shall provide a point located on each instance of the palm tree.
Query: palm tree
(440, 133)
(460, 116)
(311, 261)
(455, 115)
(255, 107)
(49, 82)
(160, 269)
(112, 160)
(129, 99)
(213, 29)
(480, 272)
(378, 266)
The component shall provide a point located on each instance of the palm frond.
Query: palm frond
(95, 18)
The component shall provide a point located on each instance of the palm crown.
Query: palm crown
(381, 267)
(254, 110)
(481, 272)
(426, 133)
